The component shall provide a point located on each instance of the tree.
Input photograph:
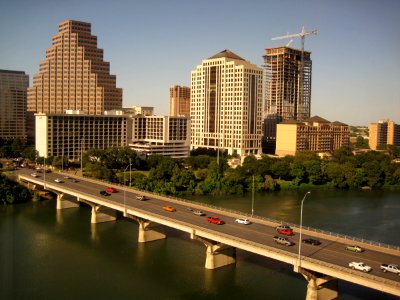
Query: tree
(361, 143)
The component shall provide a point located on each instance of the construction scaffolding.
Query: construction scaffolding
(285, 95)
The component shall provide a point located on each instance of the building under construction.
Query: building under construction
(288, 94)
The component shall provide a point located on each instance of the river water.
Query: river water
(45, 254)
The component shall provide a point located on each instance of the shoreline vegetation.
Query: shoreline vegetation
(203, 173)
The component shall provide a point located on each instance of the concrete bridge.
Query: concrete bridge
(319, 265)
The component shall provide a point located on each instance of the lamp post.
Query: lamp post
(301, 224)
(130, 179)
(252, 199)
(44, 173)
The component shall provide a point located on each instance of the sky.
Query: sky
(154, 44)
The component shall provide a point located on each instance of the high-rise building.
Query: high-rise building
(314, 134)
(13, 97)
(74, 75)
(282, 86)
(179, 101)
(226, 105)
(383, 133)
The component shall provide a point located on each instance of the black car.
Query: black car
(312, 241)
(104, 193)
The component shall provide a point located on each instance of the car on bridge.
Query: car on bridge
(199, 213)
(110, 189)
(243, 221)
(284, 229)
(283, 241)
(168, 208)
(393, 268)
(360, 266)
(215, 220)
(141, 197)
(34, 175)
(58, 180)
(311, 241)
(354, 248)
(104, 193)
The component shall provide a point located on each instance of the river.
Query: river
(45, 254)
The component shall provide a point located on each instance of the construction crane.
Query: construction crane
(302, 35)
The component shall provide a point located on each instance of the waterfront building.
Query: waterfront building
(69, 135)
(314, 134)
(179, 101)
(74, 75)
(226, 105)
(382, 133)
(13, 98)
(164, 135)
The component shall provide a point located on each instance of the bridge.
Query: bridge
(320, 265)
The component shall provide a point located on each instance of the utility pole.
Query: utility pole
(302, 35)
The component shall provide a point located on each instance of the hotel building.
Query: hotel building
(70, 134)
(226, 105)
(383, 133)
(179, 101)
(13, 97)
(164, 135)
(74, 75)
(315, 134)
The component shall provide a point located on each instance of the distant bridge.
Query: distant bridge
(320, 265)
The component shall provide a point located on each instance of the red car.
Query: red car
(110, 189)
(215, 220)
(284, 229)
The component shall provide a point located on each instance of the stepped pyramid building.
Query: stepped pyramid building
(74, 75)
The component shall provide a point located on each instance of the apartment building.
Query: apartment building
(382, 133)
(226, 105)
(164, 135)
(70, 134)
(74, 75)
(179, 101)
(314, 134)
(13, 98)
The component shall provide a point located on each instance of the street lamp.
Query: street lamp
(252, 199)
(301, 224)
(130, 179)
(44, 173)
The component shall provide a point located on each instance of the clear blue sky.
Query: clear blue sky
(154, 44)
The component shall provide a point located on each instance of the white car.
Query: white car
(243, 221)
(199, 213)
(34, 175)
(58, 180)
(360, 266)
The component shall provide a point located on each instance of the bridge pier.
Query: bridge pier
(217, 254)
(320, 286)
(149, 231)
(63, 203)
(102, 214)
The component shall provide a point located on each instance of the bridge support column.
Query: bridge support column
(149, 231)
(321, 287)
(65, 203)
(102, 214)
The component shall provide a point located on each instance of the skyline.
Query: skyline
(154, 45)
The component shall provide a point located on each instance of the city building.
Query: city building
(139, 110)
(69, 135)
(226, 105)
(269, 133)
(74, 75)
(179, 101)
(13, 98)
(314, 134)
(164, 135)
(382, 133)
(284, 95)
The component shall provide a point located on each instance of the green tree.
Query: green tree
(361, 143)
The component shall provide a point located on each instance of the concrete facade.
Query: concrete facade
(74, 75)
(226, 105)
(13, 99)
(315, 134)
